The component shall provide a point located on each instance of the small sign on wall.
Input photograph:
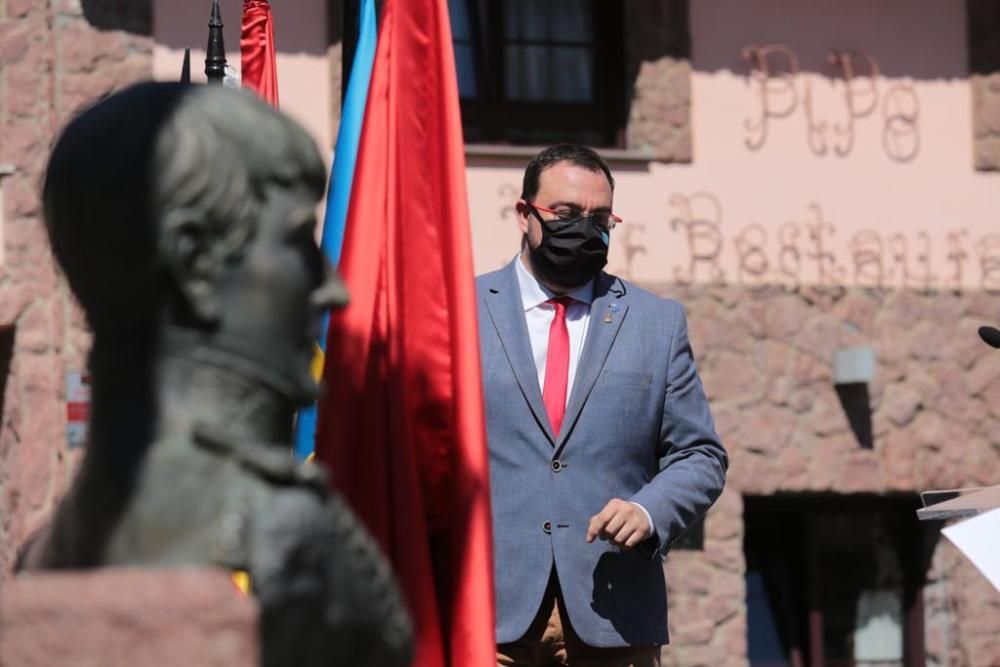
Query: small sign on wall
(77, 407)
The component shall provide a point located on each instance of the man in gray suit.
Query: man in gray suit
(602, 446)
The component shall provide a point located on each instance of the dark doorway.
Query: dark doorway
(835, 581)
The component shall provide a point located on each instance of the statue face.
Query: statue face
(272, 302)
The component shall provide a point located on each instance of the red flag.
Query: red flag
(258, 71)
(402, 423)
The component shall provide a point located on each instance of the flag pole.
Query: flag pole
(215, 54)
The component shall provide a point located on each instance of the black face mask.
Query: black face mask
(571, 252)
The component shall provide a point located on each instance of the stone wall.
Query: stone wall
(175, 617)
(52, 61)
(984, 69)
(658, 69)
(765, 358)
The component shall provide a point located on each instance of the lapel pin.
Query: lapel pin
(608, 314)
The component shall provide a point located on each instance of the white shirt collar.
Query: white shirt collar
(534, 293)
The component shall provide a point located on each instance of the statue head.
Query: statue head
(192, 209)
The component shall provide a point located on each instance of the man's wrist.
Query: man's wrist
(649, 519)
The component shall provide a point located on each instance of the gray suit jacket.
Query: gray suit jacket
(637, 427)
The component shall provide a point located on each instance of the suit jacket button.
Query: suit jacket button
(557, 465)
(547, 527)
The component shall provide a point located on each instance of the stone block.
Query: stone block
(954, 399)
(985, 371)
(734, 377)
(857, 309)
(984, 651)
(821, 336)
(720, 609)
(982, 464)
(985, 306)
(688, 578)
(706, 655)
(986, 153)
(986, 122)
(946, 306)
(14, 298)
(922, 339)
(69, 7)
(15, 39)
(81, 47)
(784, 317)
(22, 200)
(753, 314)
(80, 89)
(727, 423)
(27, 94)
(826, 458)
(127, 617)
(692, 632)
(934, 471)
(898, 452)
(793, 467)
(24, 141)
(751, 473)
(827, 416)
(723, 525)
(901, 403)
(901, 308)
(34, 328)
(861, 473)
(727, 556)
(767, 429)
(965, 346)
(21, 8)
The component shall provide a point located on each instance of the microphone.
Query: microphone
(990, 336)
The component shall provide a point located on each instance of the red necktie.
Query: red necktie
(557, 365)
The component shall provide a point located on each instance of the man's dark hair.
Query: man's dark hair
(581, 156)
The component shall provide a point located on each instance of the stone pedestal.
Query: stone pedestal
(126, 617)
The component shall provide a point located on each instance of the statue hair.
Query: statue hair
(126, 166)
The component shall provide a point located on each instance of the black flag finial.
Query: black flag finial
(186, 67)
(215, 54)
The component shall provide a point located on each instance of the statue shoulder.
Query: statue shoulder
(273, 464)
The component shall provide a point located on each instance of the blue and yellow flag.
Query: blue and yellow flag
(338, 194)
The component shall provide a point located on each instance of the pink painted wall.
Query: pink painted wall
(886, 198)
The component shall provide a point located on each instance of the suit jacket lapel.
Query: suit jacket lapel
(607, 312)
(503, 301)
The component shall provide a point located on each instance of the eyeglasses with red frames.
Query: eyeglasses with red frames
(606, 221)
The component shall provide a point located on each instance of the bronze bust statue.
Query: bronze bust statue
(183, 218)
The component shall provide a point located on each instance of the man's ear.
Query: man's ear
(523, 213)
(187, 252)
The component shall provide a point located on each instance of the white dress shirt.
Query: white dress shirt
(538, 314)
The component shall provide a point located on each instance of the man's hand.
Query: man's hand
(621, 522)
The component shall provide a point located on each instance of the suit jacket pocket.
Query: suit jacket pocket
(622, 378)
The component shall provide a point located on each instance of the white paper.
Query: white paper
(979, 539)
